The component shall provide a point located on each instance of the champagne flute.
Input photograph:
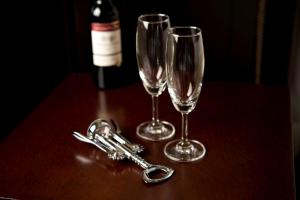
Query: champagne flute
(185, 68)
(151, 37)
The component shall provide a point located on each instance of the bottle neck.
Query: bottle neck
(99, 2)
(105, 9)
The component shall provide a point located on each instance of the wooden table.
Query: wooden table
(245, 128)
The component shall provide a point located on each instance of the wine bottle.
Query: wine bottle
(106, 44)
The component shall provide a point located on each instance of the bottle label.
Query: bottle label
(106, 44)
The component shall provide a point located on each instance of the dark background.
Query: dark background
(43, 41)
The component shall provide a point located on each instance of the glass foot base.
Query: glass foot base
(190, 152)
(164, 130)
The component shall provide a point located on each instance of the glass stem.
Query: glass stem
(155, 120)
(184, 130)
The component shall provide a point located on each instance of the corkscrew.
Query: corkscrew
(106, 135)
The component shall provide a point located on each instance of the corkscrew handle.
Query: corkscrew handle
(164, 171)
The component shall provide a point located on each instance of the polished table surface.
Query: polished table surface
(245, 128)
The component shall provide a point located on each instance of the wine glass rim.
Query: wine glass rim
(140, 18)
(198, 31)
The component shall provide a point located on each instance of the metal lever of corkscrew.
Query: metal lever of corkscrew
(117, 135)
(111, 151)
(102, 131)
(112, 130)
